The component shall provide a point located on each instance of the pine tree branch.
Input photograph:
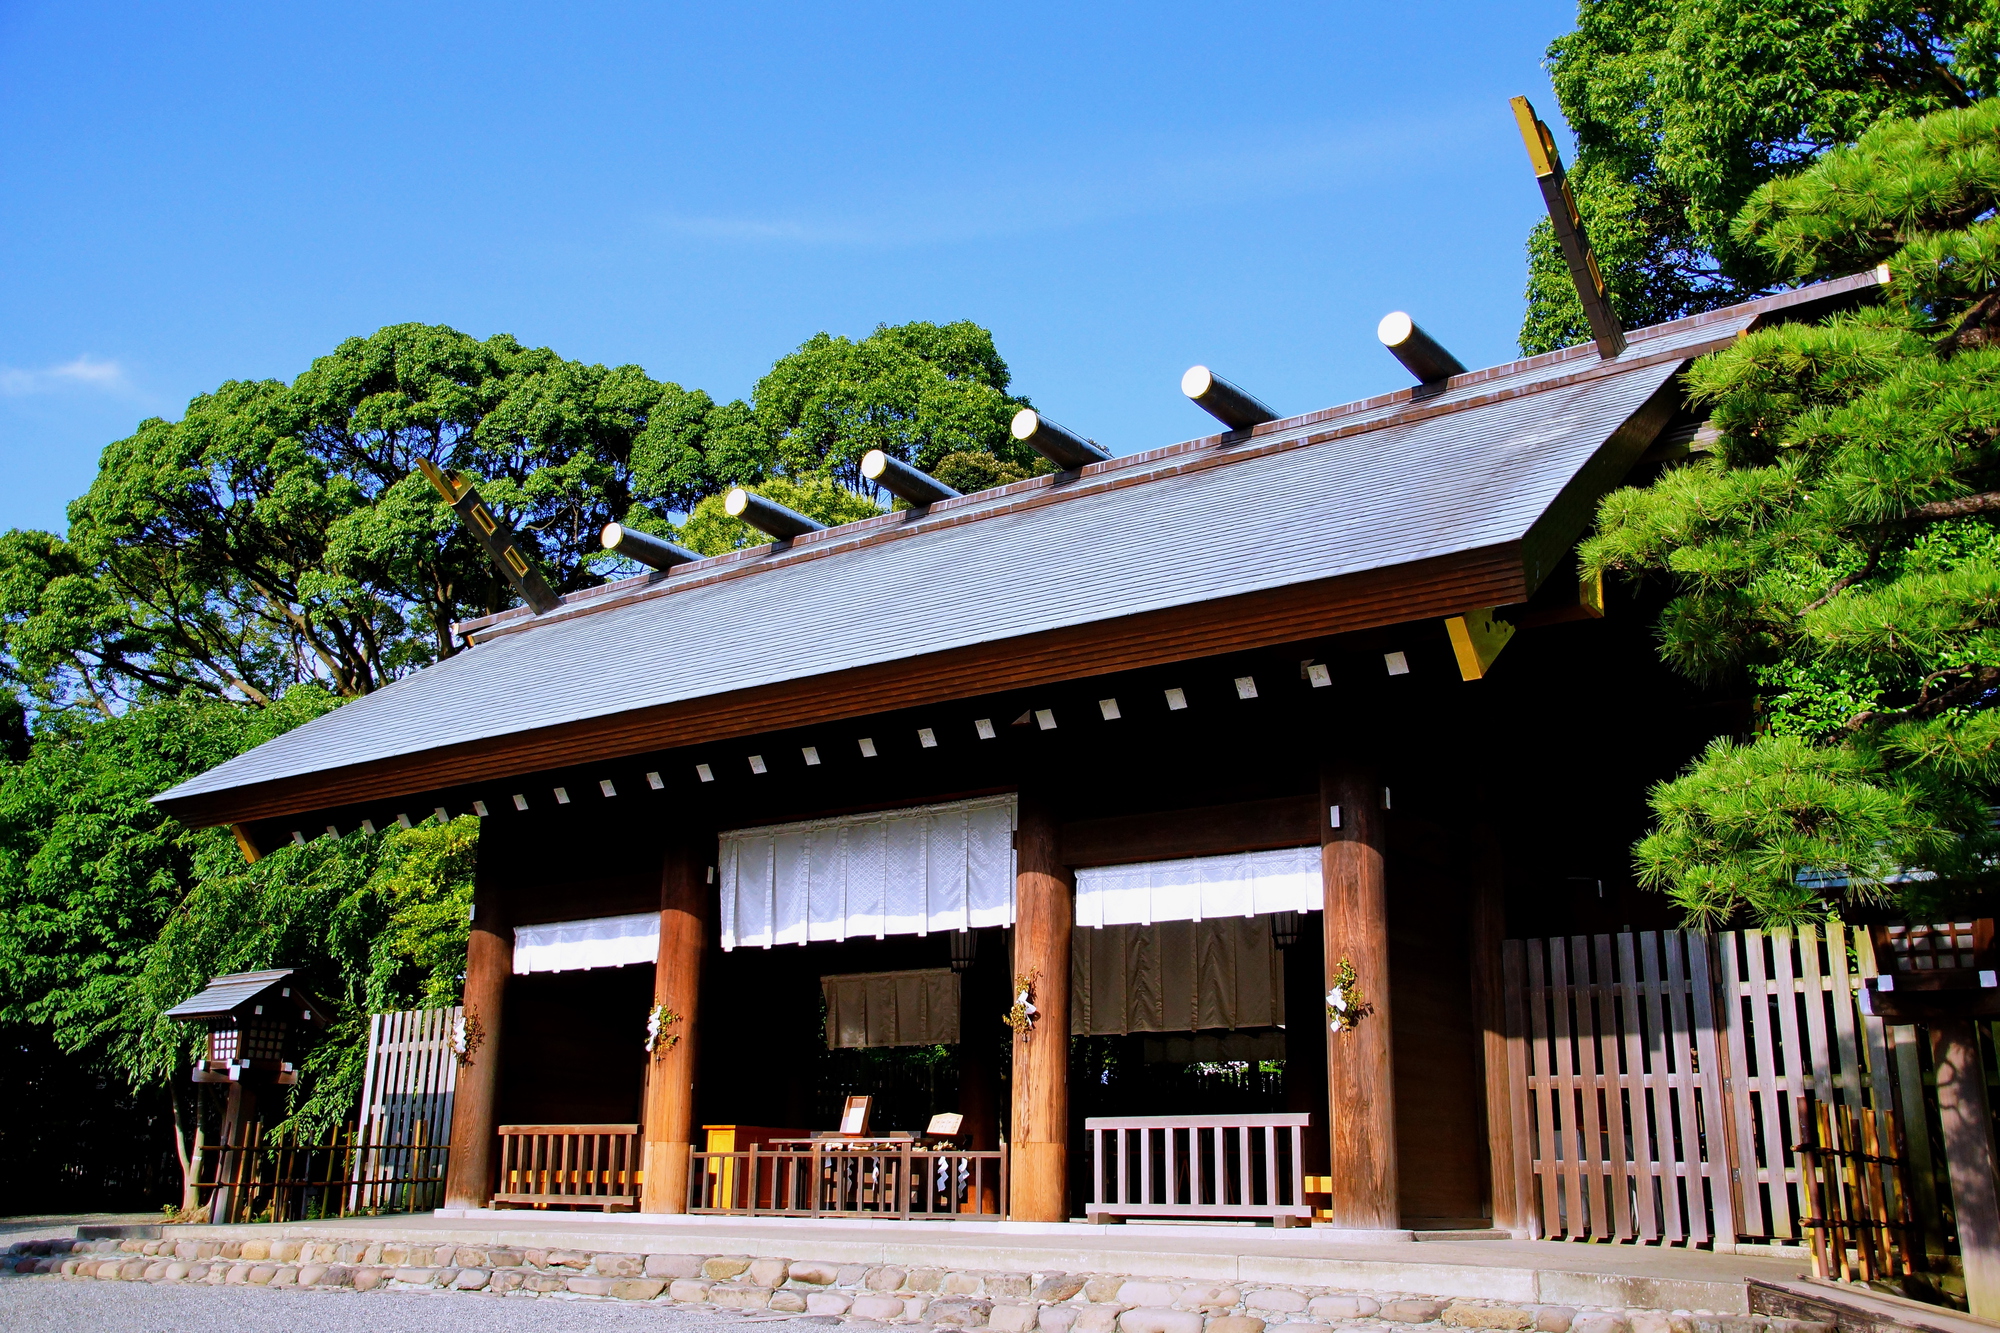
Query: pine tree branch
(1986, 502)
(1841, 585)
(1982, 681)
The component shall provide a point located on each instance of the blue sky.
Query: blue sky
(198, 193)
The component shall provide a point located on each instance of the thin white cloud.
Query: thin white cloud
(86, 372)
(1126, 181)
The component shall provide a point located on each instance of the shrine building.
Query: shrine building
(1087, 787)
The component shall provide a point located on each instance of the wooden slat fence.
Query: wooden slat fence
(1860, 1230)
(280, 1180)
(1659, 1079)
(411, 1074)
(1796, 1033)
(406, 1091)
(1618, 1094)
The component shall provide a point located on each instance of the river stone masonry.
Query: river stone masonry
(859, 1295)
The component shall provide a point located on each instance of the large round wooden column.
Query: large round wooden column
(1361, 1076)
(1044, 909)
(489, 959)
(669, 1116)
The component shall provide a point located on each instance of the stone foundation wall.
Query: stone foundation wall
(865, 1295)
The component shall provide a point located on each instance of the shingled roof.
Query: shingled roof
(226, 995)
(1379, 512)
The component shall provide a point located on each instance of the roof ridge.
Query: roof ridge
(1052, 488)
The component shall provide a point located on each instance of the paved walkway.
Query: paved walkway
(1529, 1271)
(49, 1305)
(48, 1226)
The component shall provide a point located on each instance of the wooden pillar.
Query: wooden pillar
(489, 960)
(1968, 1150)
(1045, 908)
(669, 1116)
(1360, 1072)
(239, 1114)
(1489, 999)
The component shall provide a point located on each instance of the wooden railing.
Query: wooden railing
(1197, 1166)
(569, 1166)
(278, 1180)
(832, 1180)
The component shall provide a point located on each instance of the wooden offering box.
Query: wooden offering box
(740, 1138)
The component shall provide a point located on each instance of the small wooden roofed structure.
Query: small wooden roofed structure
(250, 1018)
(254, 1022)
(1405, 509)
(241, 993)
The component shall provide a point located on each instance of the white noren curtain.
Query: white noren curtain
(889, 872)
(1200, 888)
(604, 941)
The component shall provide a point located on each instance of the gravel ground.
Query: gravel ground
(52, 1305)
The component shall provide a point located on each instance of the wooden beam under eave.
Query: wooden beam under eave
(1476, 640)
(245, 843)
(1371, 599)
(1589, 605)
(1210, 830)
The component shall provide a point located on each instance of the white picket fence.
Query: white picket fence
(406, 1094)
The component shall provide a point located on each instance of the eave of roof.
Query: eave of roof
(1548, 370)
(224, 995)
(428, 732)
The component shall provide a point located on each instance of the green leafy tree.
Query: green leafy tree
(90, 870)
(1683, 108)
(919, 392)
(1839, 548)
(111, 913)
(373, 922)
(711, 531)
(279, 533)
(933, 395)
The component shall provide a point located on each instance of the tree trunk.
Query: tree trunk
(188, 1151)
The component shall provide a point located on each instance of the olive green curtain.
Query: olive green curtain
(915, 1008)
(1176, 976)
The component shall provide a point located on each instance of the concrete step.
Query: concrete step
(1856, 1309)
